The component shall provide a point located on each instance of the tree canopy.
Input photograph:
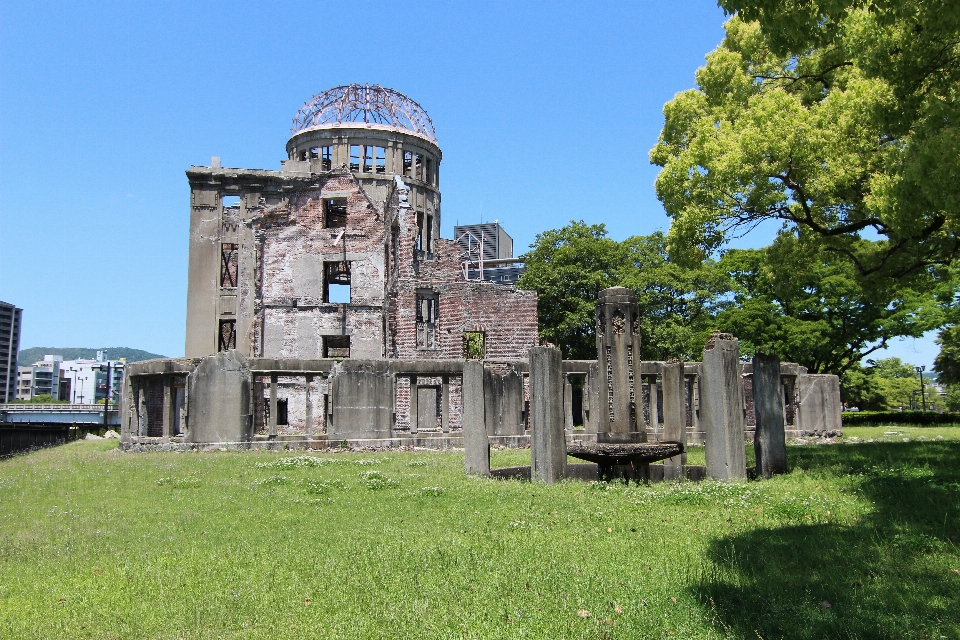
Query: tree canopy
(568, 267)
(837, 119)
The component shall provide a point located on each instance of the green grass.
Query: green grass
(858, 541)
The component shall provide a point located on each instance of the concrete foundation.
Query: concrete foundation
(548, 448)
(219, 399)
(721, 409)
(769, 441)
(818, 400)
(476, 445)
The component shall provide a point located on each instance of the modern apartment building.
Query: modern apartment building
(10, 318)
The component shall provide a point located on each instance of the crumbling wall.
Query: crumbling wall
(507, 317)
(294, 247)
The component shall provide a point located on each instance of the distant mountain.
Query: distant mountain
(29, 356)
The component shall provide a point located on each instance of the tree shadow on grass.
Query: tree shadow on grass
(890, 574)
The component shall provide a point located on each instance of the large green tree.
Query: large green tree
(837, 119)
(568, 267)
(811, 306)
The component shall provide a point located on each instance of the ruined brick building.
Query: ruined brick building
(338, 254)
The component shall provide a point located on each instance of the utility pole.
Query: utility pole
(923, 400)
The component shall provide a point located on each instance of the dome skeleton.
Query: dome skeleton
(367, 104)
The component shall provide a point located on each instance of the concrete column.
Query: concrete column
(142, 419)
(167, 406)
(654, 408)
(476, 445)
(548, 446)
(309, 406)
(414, 404)
(722, 409)
(618, 354)
(769, 441)
(445, 404)
(567, 403)
(674, 416)
(273, 405)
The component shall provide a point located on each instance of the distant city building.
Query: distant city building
(487, 253)
(10, 317)
(81, 381)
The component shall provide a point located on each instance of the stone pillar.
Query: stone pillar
(618, 353)
(445, 404)
(142, 418)
(414, 404)
(167, 406)
(218, 400)
(674, 417)
(273, 406)
(818, 407)
(722, 409)
(476, 445)
(308, 401)
(769, 441)
(567, 404)
(654, 408)
(548, 446)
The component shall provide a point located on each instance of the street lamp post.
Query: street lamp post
(923, 401)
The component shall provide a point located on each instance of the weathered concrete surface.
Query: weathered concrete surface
(476, 445)
(219, 400)
(674, 416)
(362, 398)
(548, 449)
(818, 410)
(618, 353)
(721, 409)
(503, 402)
(769, 440)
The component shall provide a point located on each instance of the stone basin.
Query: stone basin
(609, 453)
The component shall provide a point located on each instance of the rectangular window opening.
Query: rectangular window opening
(474, 345)
(407, 163)
(355, 158)
(429, 171)
(303, 155)
(228, 264)
(314, 153)
(335, 212)
(381, 159)
(367, 159)
(336, 346)
(337, 282)
(421, 239)
(326, 158)
(227, 336)
(428, 309)
(418, 170)
(230, 201)
(282, 412)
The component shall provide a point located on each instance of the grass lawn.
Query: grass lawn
(858, 541)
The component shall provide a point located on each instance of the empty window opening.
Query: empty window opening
(282, 412)
(381, 159)
(315, 153)
(336, 346)
(227, 338)
(429, 171)
(425, 235)
(337, 282)
(228, 264)
(335, 212)
(326, 158)
(474, 345)
(428, 308)
(407, 163)
(231, 201)
(367, 159)
(418, 167)
(355, 158)
(303, 155)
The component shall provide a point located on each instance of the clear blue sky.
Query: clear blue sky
(545, 112)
